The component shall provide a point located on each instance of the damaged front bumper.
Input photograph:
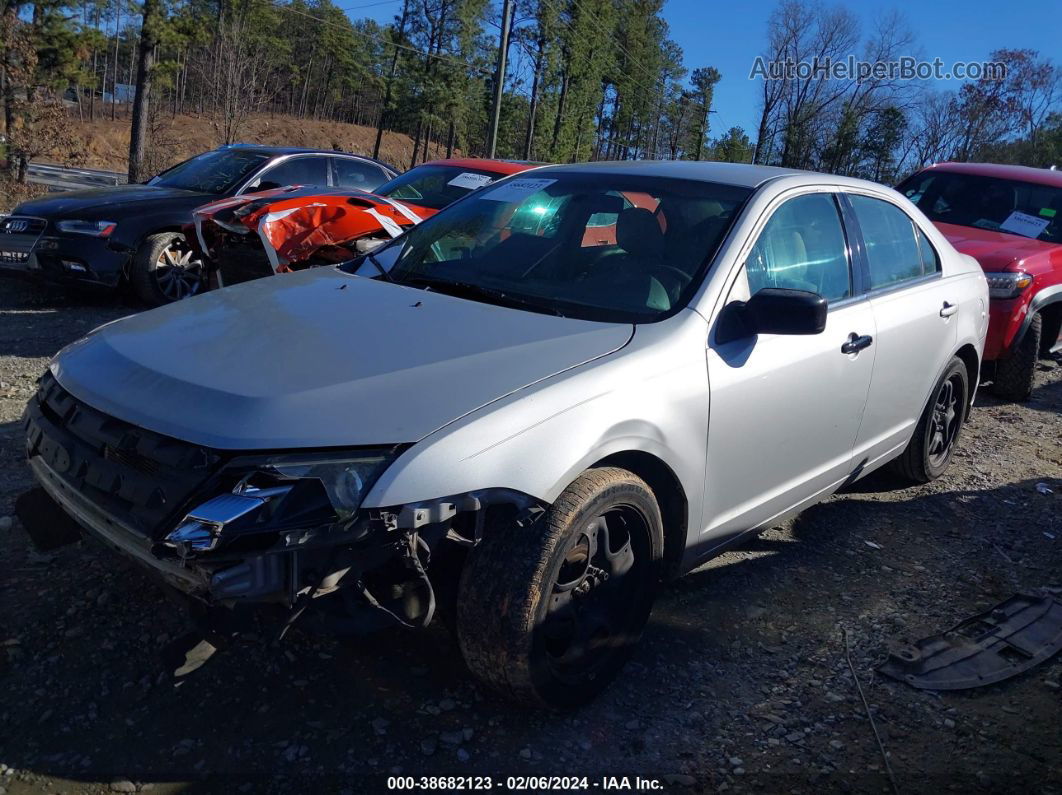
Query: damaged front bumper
(283, 529)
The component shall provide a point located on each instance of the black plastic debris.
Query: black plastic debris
(1012, 637)
(48, 526)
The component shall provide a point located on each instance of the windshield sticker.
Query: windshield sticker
(1047, 212)
(1019, 223)
(518, 189)
(471, 180)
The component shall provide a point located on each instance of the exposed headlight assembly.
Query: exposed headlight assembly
(282, 492)
(90, 228)
(1007, 284)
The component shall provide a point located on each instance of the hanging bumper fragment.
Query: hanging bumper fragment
(1011, 638)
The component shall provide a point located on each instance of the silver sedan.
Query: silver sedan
(527, 411)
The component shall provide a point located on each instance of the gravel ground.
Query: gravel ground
(741, 682)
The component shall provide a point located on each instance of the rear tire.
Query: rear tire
(1016, 372)
(548, 613)
(929, 452)
(165, 269)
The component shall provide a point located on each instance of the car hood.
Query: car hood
(80, 201)
(319, 358)
(994, 251)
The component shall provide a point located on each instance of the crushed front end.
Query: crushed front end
(231, 529)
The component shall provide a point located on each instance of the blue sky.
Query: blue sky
(728, 35)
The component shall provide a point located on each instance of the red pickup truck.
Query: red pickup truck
(1008, 218)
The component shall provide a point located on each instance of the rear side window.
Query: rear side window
(351, 173)
(894, 252)
(802, 247)
(296, 171)
(930, 258)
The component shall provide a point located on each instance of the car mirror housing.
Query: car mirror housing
(773, 310)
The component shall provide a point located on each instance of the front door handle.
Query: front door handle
(856, 343)
(948, 309)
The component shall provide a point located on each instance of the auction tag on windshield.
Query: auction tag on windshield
(517, 189)
(471, 180)
(1019, 223)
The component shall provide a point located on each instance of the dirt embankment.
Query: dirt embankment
(105, 143)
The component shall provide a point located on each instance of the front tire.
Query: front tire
(165, 269)
(548, 613)
(1016, 372)
(931, 447)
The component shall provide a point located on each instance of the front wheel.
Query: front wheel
(1016, 372)
(165, 269)
(548, 613)
(929, 452)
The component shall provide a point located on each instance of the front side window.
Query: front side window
(802, 247)
(522, 243)
(296, 171)
(894, 252)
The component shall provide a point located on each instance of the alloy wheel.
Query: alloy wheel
(944, 424)
(178, 273)
(593, 607)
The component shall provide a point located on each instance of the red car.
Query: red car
(274, 231)
(1008, 218)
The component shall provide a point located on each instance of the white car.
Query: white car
(526, 411)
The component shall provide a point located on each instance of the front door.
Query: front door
(786, 410)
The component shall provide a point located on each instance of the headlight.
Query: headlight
(90, 228)
(295, 492)
(1008, 284)
(346, 479)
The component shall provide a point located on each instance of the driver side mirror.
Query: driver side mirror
(773, 310)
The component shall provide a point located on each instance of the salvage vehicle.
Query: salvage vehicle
(1008, 218)
(492, 420)
(104, 238)
(284, 230)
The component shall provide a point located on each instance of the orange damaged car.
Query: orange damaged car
(287, 229)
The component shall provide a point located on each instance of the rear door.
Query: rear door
(786, 410)
(914, 313)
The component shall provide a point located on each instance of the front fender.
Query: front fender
(651, 396)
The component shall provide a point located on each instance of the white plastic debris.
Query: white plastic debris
(872, 545)
(1043, 488)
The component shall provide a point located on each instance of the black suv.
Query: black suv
(104, 237)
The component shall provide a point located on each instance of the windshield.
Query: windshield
(1027, 209)
(594, 246)
(211, 172)
(436, 186)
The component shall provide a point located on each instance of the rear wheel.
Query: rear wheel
(547, 614)
(933, 443)
(1016, 372)
(165, 269)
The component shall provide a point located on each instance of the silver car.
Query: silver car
(528, 411)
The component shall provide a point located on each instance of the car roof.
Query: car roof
(740, 174)
(275, 151)
(1041, 176)
(485, 164)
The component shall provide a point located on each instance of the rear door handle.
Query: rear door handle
(948, 309)
(856, 343)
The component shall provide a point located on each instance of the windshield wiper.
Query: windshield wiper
(479, 291)
(383, 271)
